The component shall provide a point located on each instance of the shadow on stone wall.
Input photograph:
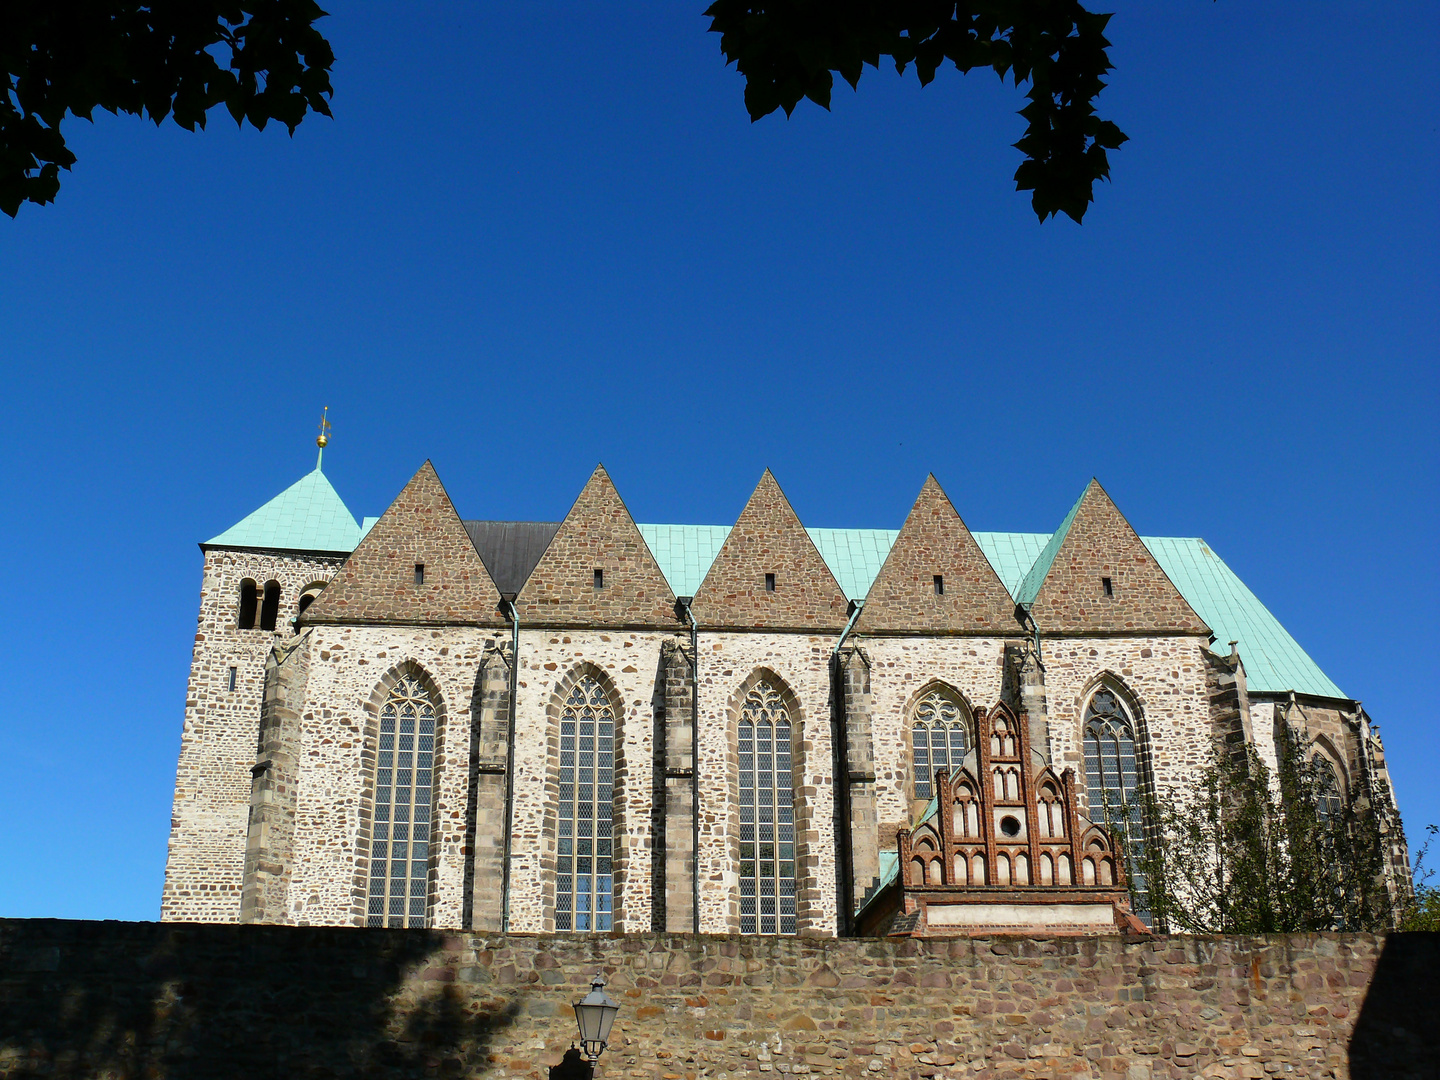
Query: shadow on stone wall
(1397, 1034)
(250, 1006)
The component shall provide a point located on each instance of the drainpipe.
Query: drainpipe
(856, 606)
(685, 602)
(508, 605)
(841, 740)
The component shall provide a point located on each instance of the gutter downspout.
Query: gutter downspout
(841, 738)
(509, 606)
(685, 602)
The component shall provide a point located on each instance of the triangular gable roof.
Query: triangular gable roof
(935, 542)
(306, 516)
(376, 584)
(769, 539)
(1095, 542)
(597, 534)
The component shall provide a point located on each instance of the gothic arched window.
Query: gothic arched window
(939, 738)
(767, 815)
(584, 875)
(1328, 803)
(1112, 780)
(400, 843)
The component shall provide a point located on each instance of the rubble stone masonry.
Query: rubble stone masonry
(218, 744)
(167, 1001)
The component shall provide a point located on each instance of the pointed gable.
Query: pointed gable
(934, 543)
(769, 539)
(1095, 542)
(377, 583)
(598, 534)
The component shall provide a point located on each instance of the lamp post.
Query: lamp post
(595, 1015)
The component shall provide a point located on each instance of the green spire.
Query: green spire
(306, 516)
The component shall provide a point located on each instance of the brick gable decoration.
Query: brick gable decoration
(380, 582)
(598, 536)
(769, 539)
(968, 598)
(1099, 544)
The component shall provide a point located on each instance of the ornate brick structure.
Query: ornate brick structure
(533, 727)
(1002, 849)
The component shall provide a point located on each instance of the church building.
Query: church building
(594, 725)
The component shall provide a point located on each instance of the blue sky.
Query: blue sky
(533, 240)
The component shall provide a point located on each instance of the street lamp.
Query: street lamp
(595, 1014)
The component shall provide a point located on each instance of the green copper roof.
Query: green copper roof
(684, 552)
(1274, 661)
(1035, 577)
(309, 516)
(1012, 554)
(306, 516)
(854, 555)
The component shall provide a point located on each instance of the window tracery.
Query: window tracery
(939, 738)
(584, 873)
(1112, 780)
(767, 815)
(1328, 802)
(400, 837)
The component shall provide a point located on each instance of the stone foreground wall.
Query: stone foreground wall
(122, 1000)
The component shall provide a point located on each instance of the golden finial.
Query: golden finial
(324, 438)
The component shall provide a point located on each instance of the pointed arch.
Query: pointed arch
(940, 727)
(582, 862)
(401, 758)
(776, 872)
(1328, 784)
(1119, 783)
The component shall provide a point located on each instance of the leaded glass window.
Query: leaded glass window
(1112, 776)
(584, 875)
(767, 815)
(939, 738)
(1327, 790)
(400, 839)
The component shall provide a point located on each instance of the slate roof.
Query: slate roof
(510, 549)
(309, 516)
(306, 516)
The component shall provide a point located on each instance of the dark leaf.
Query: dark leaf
(261, 59)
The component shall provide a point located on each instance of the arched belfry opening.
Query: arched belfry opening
(249, 605)
(270, 606)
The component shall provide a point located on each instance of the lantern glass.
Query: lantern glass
(595, 1016)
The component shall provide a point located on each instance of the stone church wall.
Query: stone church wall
(900, 667)
(206, 862)
(1165, 676)
(630, 663)
(348, 669)
(802, 662)
(173, 1002)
